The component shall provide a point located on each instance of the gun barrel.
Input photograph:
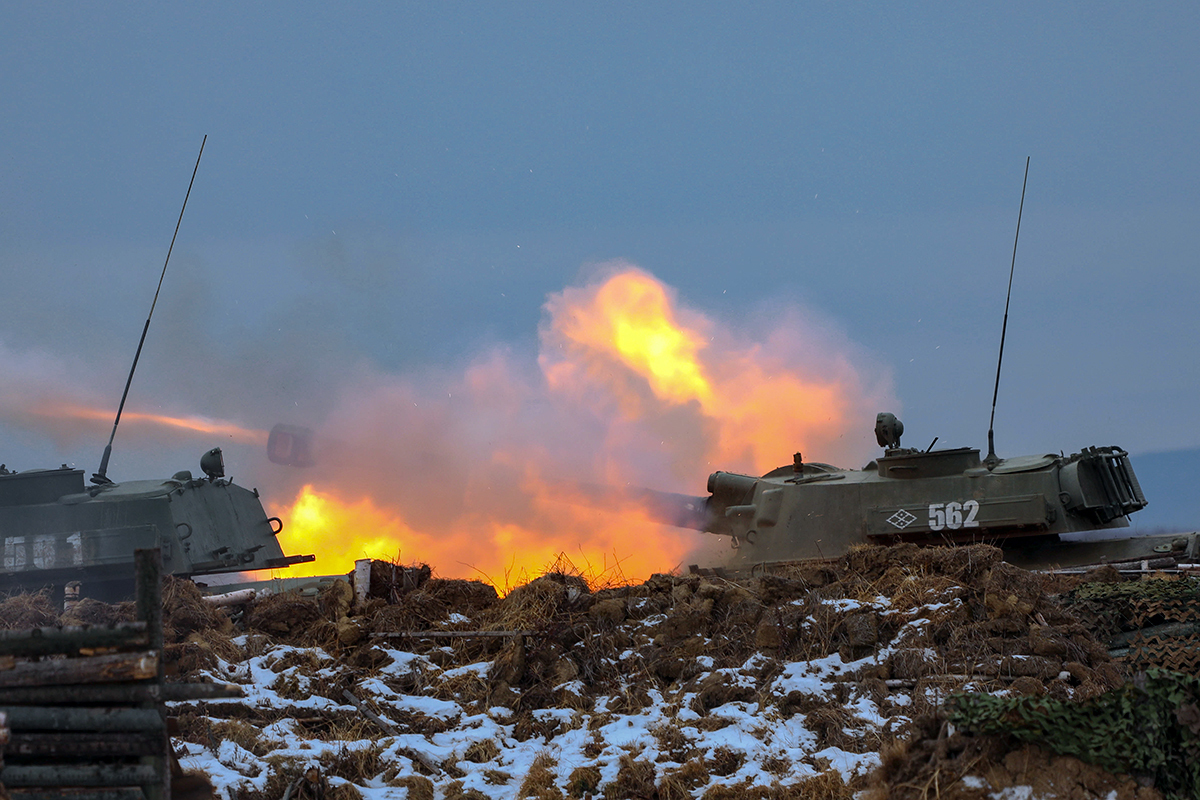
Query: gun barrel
(669, 508)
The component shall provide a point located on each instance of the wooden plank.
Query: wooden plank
(110, 668)
(65, 718)
(70, 639)
(128, 793)
(80, 775)
(85, 745)
(95, 693)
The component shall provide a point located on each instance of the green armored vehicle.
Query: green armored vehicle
(1032, 506)
(56, 531)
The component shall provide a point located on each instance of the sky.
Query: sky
(393, 194)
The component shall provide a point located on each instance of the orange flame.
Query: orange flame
(501, 552)
(623, 336)
(471, 476)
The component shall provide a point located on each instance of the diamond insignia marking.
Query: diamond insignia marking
(902, 519)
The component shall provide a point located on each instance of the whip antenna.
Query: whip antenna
(101, 477)
(991, 456)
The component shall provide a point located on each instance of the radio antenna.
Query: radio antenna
(101, 476)
(992, 460)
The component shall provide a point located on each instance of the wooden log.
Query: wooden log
(53, 640)
(1169, 629)
(450, 634)
(111, 668)
(128, 793)
(80, 775)
(909, 683)
(148, 593)
(230, 598)
(84, 745)
(390, 729)
(94, 693)
(148, 599)
(65, 718)
(386, 726)
(175, 692)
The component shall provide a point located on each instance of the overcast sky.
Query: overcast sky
(397, 188)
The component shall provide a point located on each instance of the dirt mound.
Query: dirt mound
(464, 597)
(27, 611)
(959, 767)
(93, 612)
(185, 612)
(679, 686)
(288, 617)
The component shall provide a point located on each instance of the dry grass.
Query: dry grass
(777, 765)
(357, 765)
(724, 761)
(185, 612)
(682, 782)
(89, 611)
(418, 786)
(672, 743)
(343, 791)
(242, 733)
(826, 786)
(289, 687)
(455, 791)
(22, 611)
(497, 777)
(347, 726)
(583, 781)
(466, 687)
(290, 618)
(482, 751)
(539, 781)
(280, 773)
(634, 781)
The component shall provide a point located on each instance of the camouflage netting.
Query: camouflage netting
(1159, 620)
(1150, 726)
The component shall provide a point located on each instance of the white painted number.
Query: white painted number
(950, 515)
(973, 507)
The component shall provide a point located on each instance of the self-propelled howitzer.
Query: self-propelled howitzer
(813, 510)
(56, 531)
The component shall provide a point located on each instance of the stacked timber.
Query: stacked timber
(85, 707)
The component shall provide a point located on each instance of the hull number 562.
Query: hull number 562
(953, 516)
